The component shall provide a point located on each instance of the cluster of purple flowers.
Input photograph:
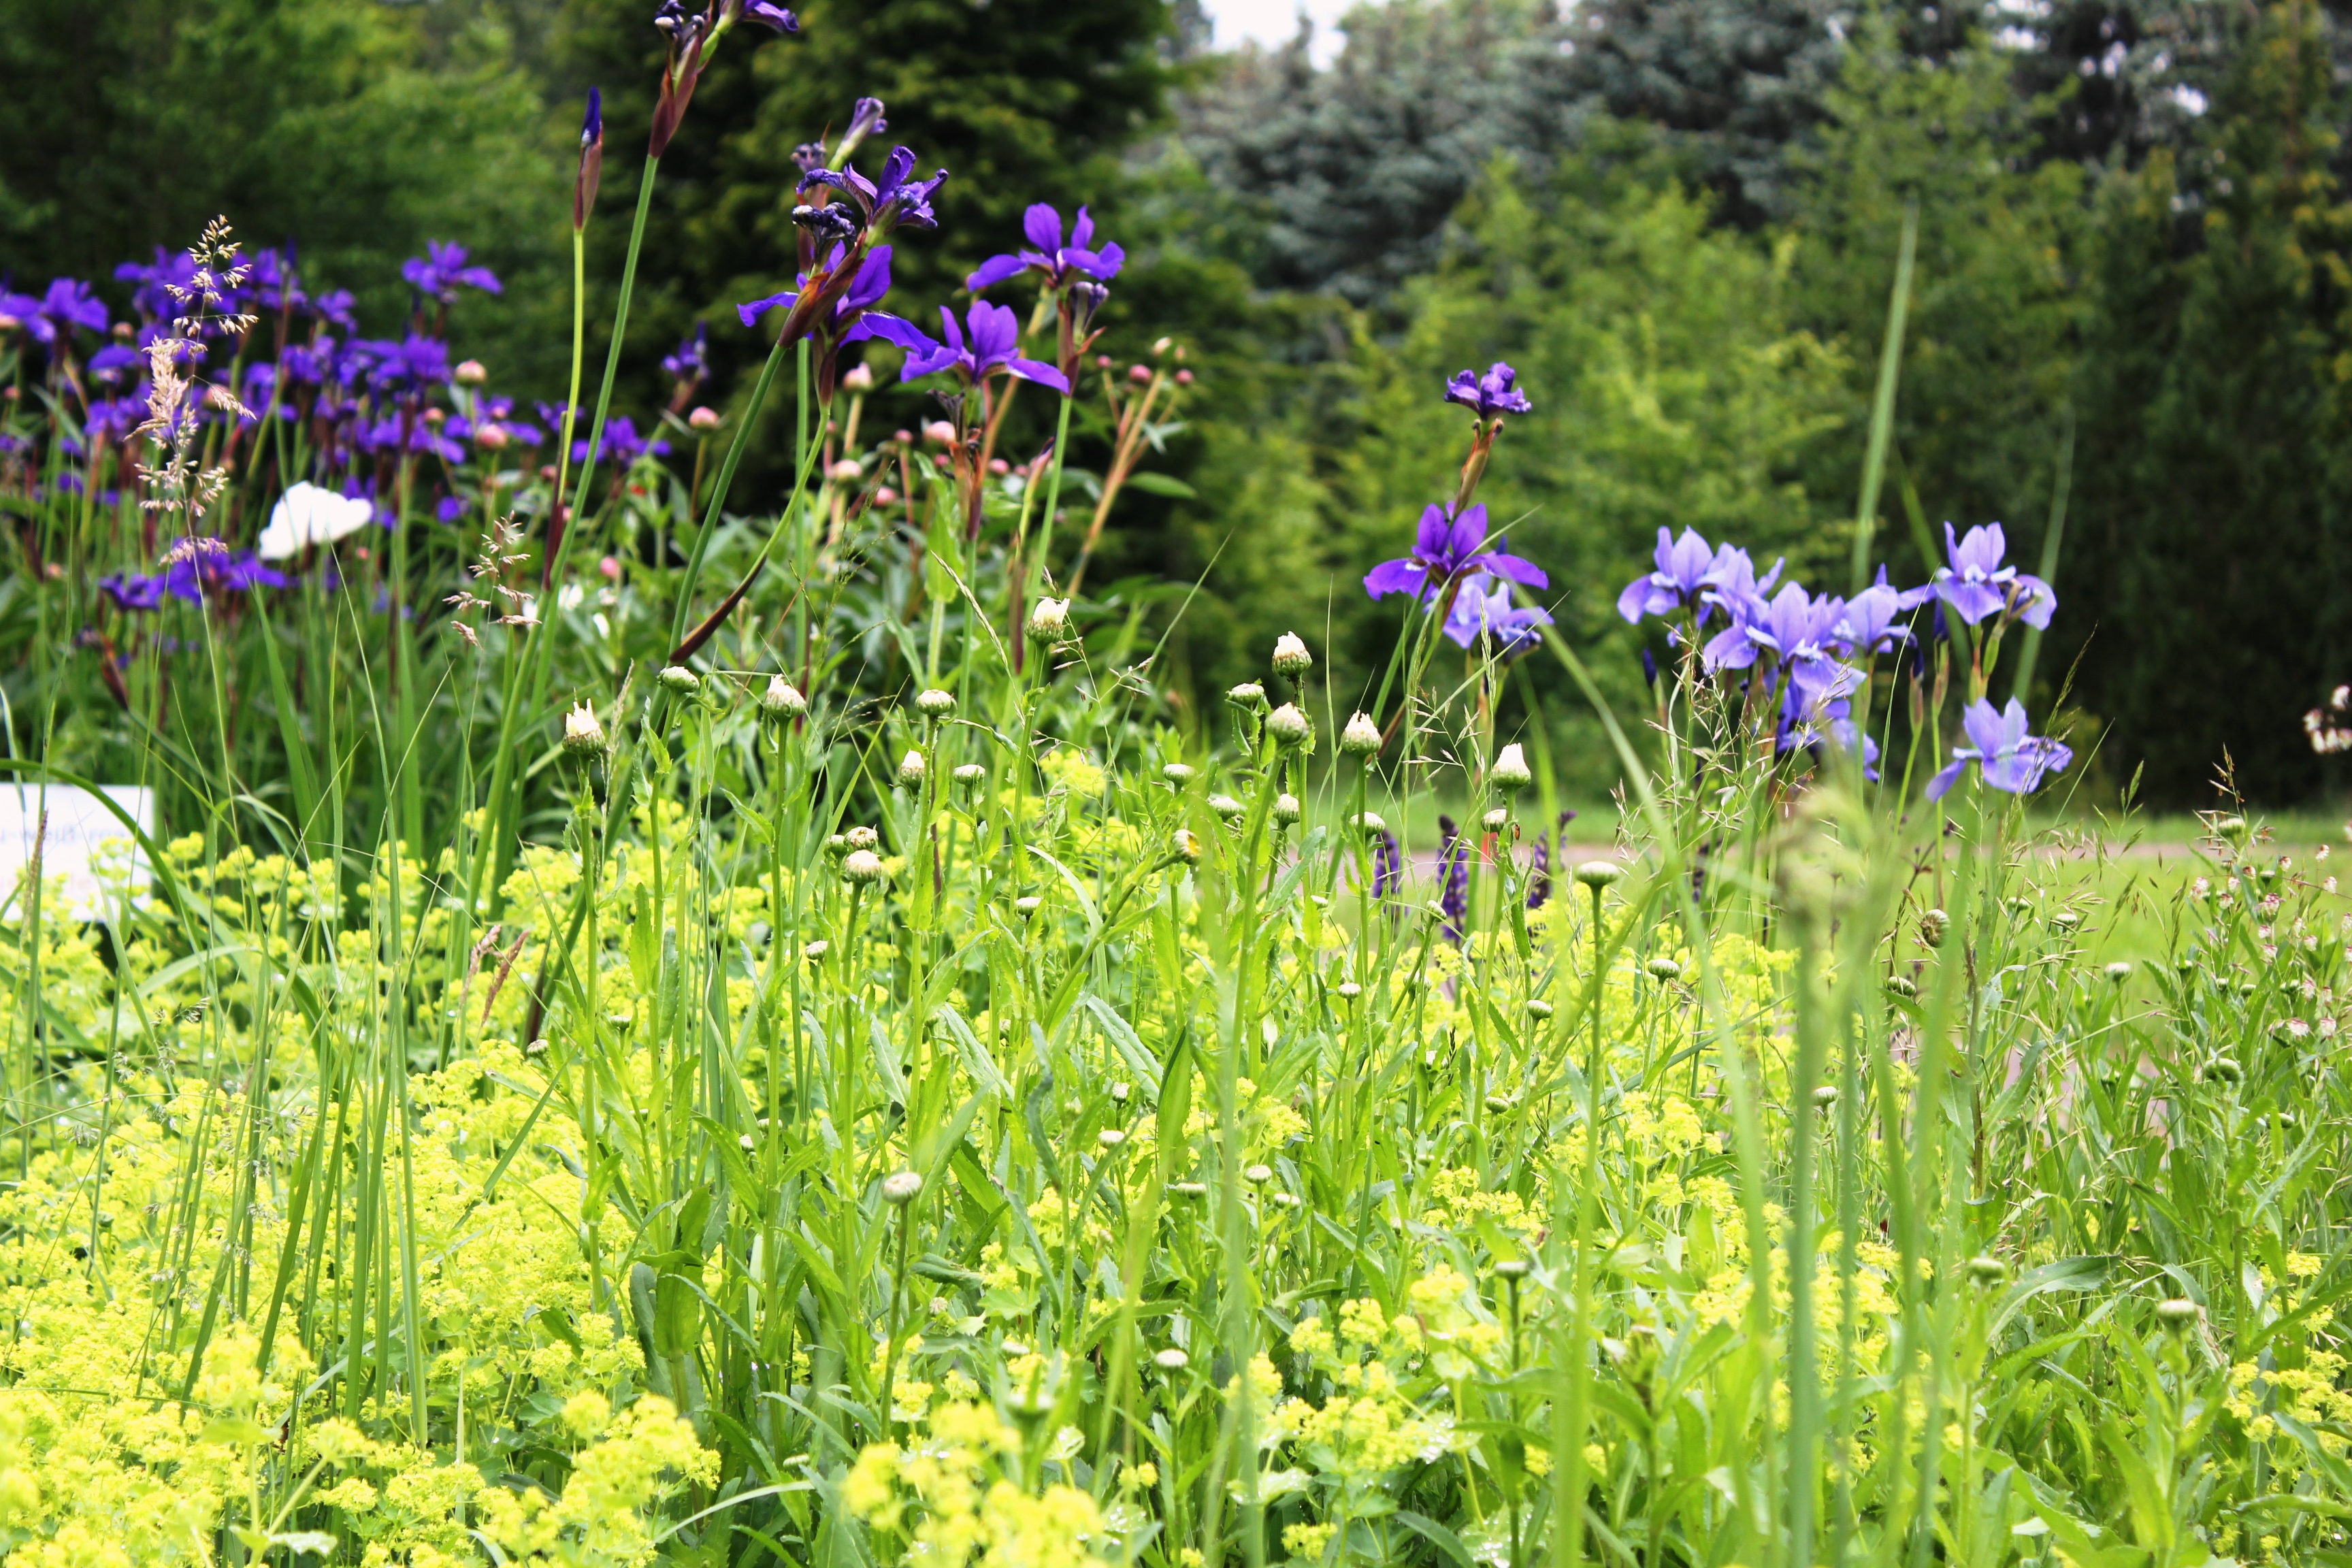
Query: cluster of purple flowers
(1809, 653)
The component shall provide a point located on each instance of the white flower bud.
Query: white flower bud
(1226, 806)
(1185, 846)
(676, 678)
(1510, 770)
(1362, 738)
(934, 703)
(1496, 820)
(469, 373)
(1290, 655)
(1368, 822)
(858, 377)
(862, 866)
(1028, 904)
(1178, 773)
(1049, 620)
(970, 774)
(1258, 1174)
(1288, 726)
(582, 736)
(1286, 809)
(1248, 695)
(1598, 873)
(1110, 1137)
(912, 770)
(862, 837)
(899, 1189)
(1171, 1359)
(782, 700)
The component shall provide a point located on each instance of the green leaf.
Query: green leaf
(1162, 484)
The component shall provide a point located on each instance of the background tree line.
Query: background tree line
(1678, 218)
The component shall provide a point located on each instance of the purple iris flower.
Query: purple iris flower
(154, 298)
(622, 446)
(1683, 566)
(412, 434)
(413, 364)
(1796, 628)
(133, 592)
(441, 272)
(205, 566)
(23, 310)
(1979, 584)
(1483, 608)
(271, 278)
(308, 364)
(110, 364)
(993, 344)
(1814, 725)
(885, 204)
(1867, 625)
(2012, 761)
(1490, 396)
(691, 361)
(337, 308)
(1056, 262)
(1731, 583)
(69, 304)
(1448, 549)
(1453, 889)
(770, 15)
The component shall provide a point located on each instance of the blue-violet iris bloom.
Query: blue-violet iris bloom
(441, 272)
(2012, 760)
(1058, 264)
(1980, 583)
(1446, 549)
(993, 344)
(885, 204)
(1483, 608)
(1491, 394)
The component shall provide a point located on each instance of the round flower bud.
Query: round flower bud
(469, 373)
(1598, 873)
(2178, 1314)
(1825, 1096)
(1511, 1268)
(1348, 990)
(1249, 696)
(1258, 1174)
(911, 769)
(1510, 770)
(1226, 807)
(1932, 926)
(1368, 822)
(1110, 1137)
(1049, 620)
(1900, 985)
(1538, 1009)
(1498, 1104)
(1281, 1200)
(1119, 1091)
(1362, 738)
(863, 865)
(582, 736)
(703, 419)
(1178, 773)
(939, 433)
(817, 950)
(2119, 971)
(1194, 1189)
(858, 377)
(491, 438)
(1286, 809)
(846, 472)
(1664, 969)
(1028, 904)
(1171, 1359)
(782, 700)
(1987, 1271)
(1290, 655)
(934, 703)
(2224, 1070)
(1289, 727)
(1496, 820)
(676, 678)
(1185, 846)
(899, 1188)
(836, 845)
(2067, 919)
(970, 774)
(864, 837)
